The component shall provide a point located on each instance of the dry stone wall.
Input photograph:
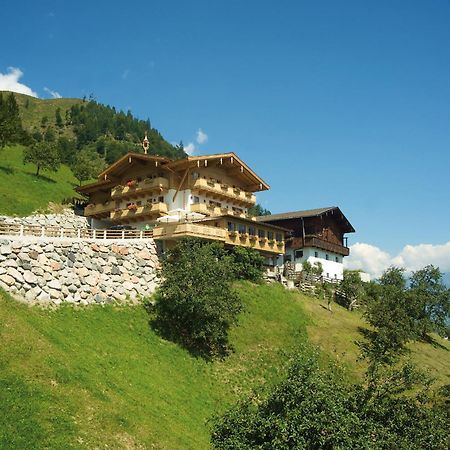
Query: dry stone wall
(68, 219)
(52, 271)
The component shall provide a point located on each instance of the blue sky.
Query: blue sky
(332, 103)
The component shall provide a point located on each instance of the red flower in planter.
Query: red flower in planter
(132, 207)
(131, 183)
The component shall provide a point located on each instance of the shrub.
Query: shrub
(248, 264)
(195, 304)
(315, 408)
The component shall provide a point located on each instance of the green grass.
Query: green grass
(99, 377)
(22, 192)
(38, 108)
(337, 332)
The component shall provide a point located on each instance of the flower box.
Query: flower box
(132, 207)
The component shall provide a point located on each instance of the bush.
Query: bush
(195, 304)
(248, 264)
(315, 408)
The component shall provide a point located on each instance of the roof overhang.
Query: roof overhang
(229, 161)
(298, 215)
(129, 159)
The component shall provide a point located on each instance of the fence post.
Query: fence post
(141, 234)
(21, 231)
(61, 233)
(94, 234)
(104, 234)
(79, 233)
(123, 234)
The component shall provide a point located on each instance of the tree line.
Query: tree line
(101, 135)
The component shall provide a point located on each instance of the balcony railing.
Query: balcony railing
(313, 241)
(253, 241)
(212, 210)
(142, 187)
(154, 209)
(221, 190)
(177, 230)
(99, 209)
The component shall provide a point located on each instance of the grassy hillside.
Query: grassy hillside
(32, 110)
(21, 192)
(99, 377)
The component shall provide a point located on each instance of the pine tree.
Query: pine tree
(58, 118)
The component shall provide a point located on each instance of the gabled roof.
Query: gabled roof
(348, 228)
(91, 187)
(129, 157)
(230, 160)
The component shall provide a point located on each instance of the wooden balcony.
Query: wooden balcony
(138, 190)
(99, 210)
(313, 241)
(208, 210)
(172, 231)
(262, 244)
(146, 212)
(223, 191)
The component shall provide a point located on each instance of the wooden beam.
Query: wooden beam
(181, 183)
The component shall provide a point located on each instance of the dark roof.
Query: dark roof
(308, 213)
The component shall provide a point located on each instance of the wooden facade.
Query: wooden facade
(212, 191)
(323, 228)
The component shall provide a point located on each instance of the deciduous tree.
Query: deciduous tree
(44, 155)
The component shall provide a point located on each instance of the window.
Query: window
(279, 237)
(242, 228)
(326, 256)
(270, 235)
(231, 226)
(261, 233)
(161, 199)
(252, 231)
(316, 254)
(328, 275)
(298, 254)
(287, 258)
(337, 258)
(196, 199)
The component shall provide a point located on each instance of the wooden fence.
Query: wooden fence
(7, 229)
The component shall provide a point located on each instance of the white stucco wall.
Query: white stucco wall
(332, 268)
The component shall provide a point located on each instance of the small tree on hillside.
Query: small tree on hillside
(248, 264)
(44, 155)
(87, 164)
(195, 304)
(431, 300)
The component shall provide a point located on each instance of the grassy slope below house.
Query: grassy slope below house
(337, 333)
(22, 192)
(99, 376)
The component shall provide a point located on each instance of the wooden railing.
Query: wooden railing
(7, 229)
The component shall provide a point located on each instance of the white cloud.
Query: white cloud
(190, 148)
(373, 260)
(9, 81)
(202, 137)
(54, 94)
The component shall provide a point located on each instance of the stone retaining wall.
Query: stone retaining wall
(55, 271)
(67, 219)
